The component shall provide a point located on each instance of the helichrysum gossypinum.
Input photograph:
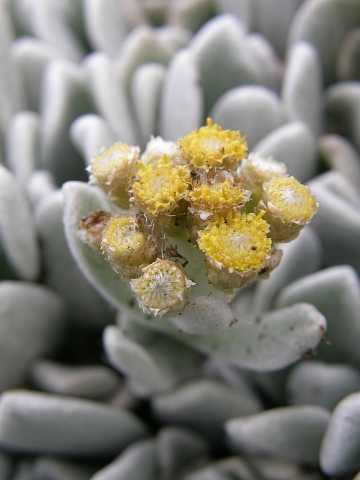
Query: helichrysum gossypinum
(203, 191)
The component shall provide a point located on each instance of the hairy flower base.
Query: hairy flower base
(163, 288)
(113, 170)
(128, 246)
(289, 206)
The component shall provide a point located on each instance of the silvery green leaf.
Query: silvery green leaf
(202, 405)
(155, 366)
(86, 307)
(32, 324)
(252, 109)
(191, 15)
(23, 142)
(224, 60)
(273, 19)
(301, 257)
(181, 105)
(146, 85)
(226, 469)
(18, 236)
(325, 25)
(341, 444)
(34, 423)
(342, 108)
(272, 469)
(109, 96)
(95, 382)
(90, 133)
(266, 60)
(65, 96)
(243, 9)
(46, 467)
(318, 383)
(338, 153)
(178, 447)
(106, 24)
(340, 185)
(39, 184)
(142, 45)
(11, 94)
(286, 433)
(348, 59)
(137, 461)
(49, 20)
(31, 57)
(335, 292)
(178, 37)
(294, 145)
(337, 223)
(302, 89)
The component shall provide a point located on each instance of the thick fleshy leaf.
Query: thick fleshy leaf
(338, 153)
(300, 257)
(90, 133)
(32, 423)
(18, 237)
(340, 449)
(325, 25)
(86, 307)
(202, 405)
(46, 467)
(337, 223)
(181, 107)
(152, 367)
(191, 15)
(146, 86)
(348, 60)
(318, 383)
(294, 145)
(65, 96)
(94, 382)
(266, 61)
(302, 87)
(223, 57)
(335, 292)
(254, 110)
(288, 433)
(32, 324)
(137, 461)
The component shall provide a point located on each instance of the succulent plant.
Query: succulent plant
(103, 373)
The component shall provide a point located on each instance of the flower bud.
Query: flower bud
(91, 228)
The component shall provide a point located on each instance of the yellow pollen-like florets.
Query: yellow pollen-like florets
(163, 287)
(288, 199)
(127, 245)
(211, 146)
(217, 196)
(113, 170)
(159, 188)
(237, 241)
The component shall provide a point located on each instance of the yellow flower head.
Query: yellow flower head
(237, 241)
(127, 245)
(163, 288)
(289, 200)
(217, 196)
(159, 188)
(211, 146)
(113, 170)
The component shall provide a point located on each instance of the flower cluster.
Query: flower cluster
(204, 191)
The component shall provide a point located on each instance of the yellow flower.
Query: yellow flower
(163, 288)
(289, 206)
(159, 188)
(113, 170)
(128, 245)
(211, 146)
(217, 196)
